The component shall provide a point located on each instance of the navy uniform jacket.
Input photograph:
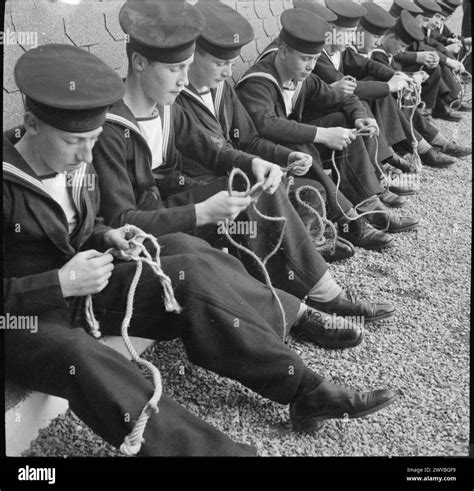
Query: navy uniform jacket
(233, 123)
(36, 239)
(359, 67)
(429, 43)
(122, 159)
(261, 93)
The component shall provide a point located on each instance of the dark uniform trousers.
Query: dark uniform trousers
(232, 328)
(295, 268)
(355, 162)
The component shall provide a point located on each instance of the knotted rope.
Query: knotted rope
(361, 132)
(320, 218)
(317, 233)
(410, 98)
(463, 82)
(255, 192)
(133, 441)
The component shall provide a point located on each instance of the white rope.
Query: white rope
(251, 191)
(133, 441)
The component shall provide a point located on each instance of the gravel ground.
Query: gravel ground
(423, 351)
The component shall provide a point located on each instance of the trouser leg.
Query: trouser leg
(451, 83)
(358, 178)
(296, 267)
(426, 129)
(106, 391)
(387, 115)
(230, 322)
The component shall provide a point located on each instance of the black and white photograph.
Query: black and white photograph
(237, 228)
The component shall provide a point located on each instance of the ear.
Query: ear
(282, 52)
(138, 61)
(32, 123)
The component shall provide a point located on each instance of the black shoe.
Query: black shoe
(461, 106)
(400, 163)
(344, 250)
(392, 200)
(381, 220)
(455, 150)
(329, 331)
(426, 113)
(447, 114)
(329, 401)
(361, 234)
(345, 305)
(434, 158)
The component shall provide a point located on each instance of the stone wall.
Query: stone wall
(94, 26)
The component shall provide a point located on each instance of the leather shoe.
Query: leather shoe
(346, 304)
(344, 250)
(392, 200)
(400, 163)
(329, 331)
(329, 401)
(462, 106)
(361, 234)
(395, 224)
(455, 150)
(434, 158)
(447, 114)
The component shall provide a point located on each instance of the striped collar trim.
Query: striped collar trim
(265, 53)
(270, 77)
(77, 180)
(217, 99)
(166, 121)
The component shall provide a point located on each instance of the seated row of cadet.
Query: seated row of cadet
(55, 238)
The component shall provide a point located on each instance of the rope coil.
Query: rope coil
(321, 219)
(133, 441)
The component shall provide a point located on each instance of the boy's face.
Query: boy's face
(393, 44)
(437, 21)
(163, 82)
(370, 41)
(60, 150)
(422, 20)
(297, 64)
(210, 71)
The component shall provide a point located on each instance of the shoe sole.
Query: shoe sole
(315, 424)
(379, 317)
(404, 193)
(451, 120)
(459, 156)
(390, 205)
(359, 340)
(407, 228)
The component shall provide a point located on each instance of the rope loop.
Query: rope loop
(137, 252)
(261, 263)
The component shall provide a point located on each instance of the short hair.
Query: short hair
(130, 50)
(392, 32)
(286, 45)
